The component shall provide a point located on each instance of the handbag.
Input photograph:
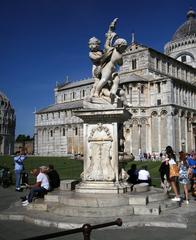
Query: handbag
(173, 170)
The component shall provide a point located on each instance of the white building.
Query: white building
(161, 89)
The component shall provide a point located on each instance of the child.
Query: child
(183, 174)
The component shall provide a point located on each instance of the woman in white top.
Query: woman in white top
(172, 161)
(144, 175)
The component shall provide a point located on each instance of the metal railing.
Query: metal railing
(86, 229)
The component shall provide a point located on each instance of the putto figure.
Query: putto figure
(106, 78)
(95, 55)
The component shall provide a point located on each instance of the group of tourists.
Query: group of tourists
(173, 174)
(47, 179)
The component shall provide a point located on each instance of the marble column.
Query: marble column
(170, 130)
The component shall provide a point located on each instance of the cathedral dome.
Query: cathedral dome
(188, 28)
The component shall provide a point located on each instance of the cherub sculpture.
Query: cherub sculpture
(104, 70)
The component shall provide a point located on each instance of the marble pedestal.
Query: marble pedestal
(101, 147)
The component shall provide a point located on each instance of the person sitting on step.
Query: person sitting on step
(53, 176)
(38, 189)
(144, 175)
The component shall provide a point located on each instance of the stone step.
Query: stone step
(100, 187)
(145, 198)
(146, 210)
(156, 208)
(102, 209)
(71, 211)
(71, 203)
(138, 200)
(52, 198)
(154, 197)
(38, 204)
(96, 200)
(68, 185)
(168, 205)
(141, 187)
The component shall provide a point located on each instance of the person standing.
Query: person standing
(192, 164)
(164, 173)
(173, 172)
(183, 174)
(19, 167)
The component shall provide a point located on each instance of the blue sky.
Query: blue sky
(44, 41)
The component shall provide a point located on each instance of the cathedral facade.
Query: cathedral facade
(160, 89)
(7, 126)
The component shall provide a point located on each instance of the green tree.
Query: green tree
(23, 138)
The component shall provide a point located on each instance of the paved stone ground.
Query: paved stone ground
(15, 230)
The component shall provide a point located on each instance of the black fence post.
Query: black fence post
(86, 229)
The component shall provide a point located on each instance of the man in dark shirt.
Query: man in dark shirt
(53, 176)
(133, 174)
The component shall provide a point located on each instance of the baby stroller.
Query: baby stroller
(5, 177)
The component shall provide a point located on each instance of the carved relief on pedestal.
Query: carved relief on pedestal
(100, 155)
